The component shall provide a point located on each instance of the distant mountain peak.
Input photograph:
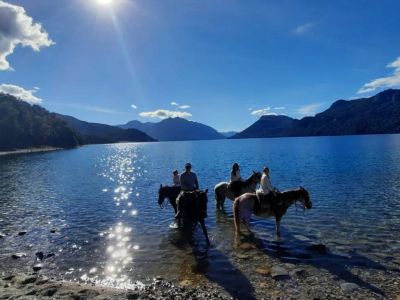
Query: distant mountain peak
(176, 129)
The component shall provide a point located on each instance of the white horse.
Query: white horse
(224, 189)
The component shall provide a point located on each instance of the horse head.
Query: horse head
(256, 176)
(161, 195)
(305, 198)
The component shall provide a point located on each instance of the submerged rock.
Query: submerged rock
(39, 255)
(18, 255)
(247, 246)
(21, 233)
(320, 248)
(298, 272)
(37, 267)
(263, 271)
(279, 273)
(50, 255)
(348, 287)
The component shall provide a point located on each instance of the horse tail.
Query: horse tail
(236, 216)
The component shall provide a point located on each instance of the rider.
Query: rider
(266, 188)
(235, 172)
(189, 179)
(236, 180)
(176, 178)
(189, 183)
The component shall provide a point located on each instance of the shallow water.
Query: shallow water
(101, 201)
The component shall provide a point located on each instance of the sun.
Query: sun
(105, 2)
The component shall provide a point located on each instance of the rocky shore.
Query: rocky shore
(34, 286)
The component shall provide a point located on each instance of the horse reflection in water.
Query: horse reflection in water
(193, 206)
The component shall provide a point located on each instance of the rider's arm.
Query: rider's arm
(196, 181)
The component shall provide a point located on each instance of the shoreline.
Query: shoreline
(29, 150)
(35, 286)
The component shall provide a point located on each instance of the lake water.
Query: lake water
(101, 200)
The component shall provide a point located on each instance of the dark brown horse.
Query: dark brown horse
(234, 189)
(192, 204)
(170, 193)
(265, 206)
(194, 210)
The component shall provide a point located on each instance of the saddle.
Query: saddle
(271, 199)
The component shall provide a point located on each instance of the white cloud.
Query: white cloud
(180, 106)
(17, 28)
(384, 82)
(310, 109)
(303, 28)
(134, 106)
(262, 112)
(279, 108)
(21, 93)
(164, 113)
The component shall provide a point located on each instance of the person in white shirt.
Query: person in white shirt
(265, 184)
(235, 173)
(176, 178)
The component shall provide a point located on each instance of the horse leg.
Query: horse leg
(278, 227)
(236, 216)
(204, 228)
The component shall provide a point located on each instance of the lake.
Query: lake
(95, 208)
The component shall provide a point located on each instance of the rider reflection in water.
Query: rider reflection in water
(189, 183)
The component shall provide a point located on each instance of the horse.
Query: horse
(250, 203)
(170, 192)
(194, 210)
(223, 189)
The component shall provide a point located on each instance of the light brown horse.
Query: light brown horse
(250, 203)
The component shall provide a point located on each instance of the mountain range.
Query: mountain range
(374, 115)
(96, 133)
(175, 129)
(23, 125)
(27, 126)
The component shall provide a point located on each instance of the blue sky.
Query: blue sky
(223, 63)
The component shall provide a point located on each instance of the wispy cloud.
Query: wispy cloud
(303, 28)
(262, 112)
(280, 108)
(134, 106)
(384, 82)
(96, 109)
(185, 106)
(165, 113)
(309, 109)
(20, 92)
(17, 28)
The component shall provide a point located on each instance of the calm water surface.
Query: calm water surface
(101, 202)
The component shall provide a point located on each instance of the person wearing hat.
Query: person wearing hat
(189, 179)
(176, 178)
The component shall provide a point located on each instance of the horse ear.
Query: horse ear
(206, 191)
(301, 188)
(160, 185)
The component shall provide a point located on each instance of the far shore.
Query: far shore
(29, 150)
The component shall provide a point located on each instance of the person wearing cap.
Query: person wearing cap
(189, 179)
(176, 178)
(189, 183)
